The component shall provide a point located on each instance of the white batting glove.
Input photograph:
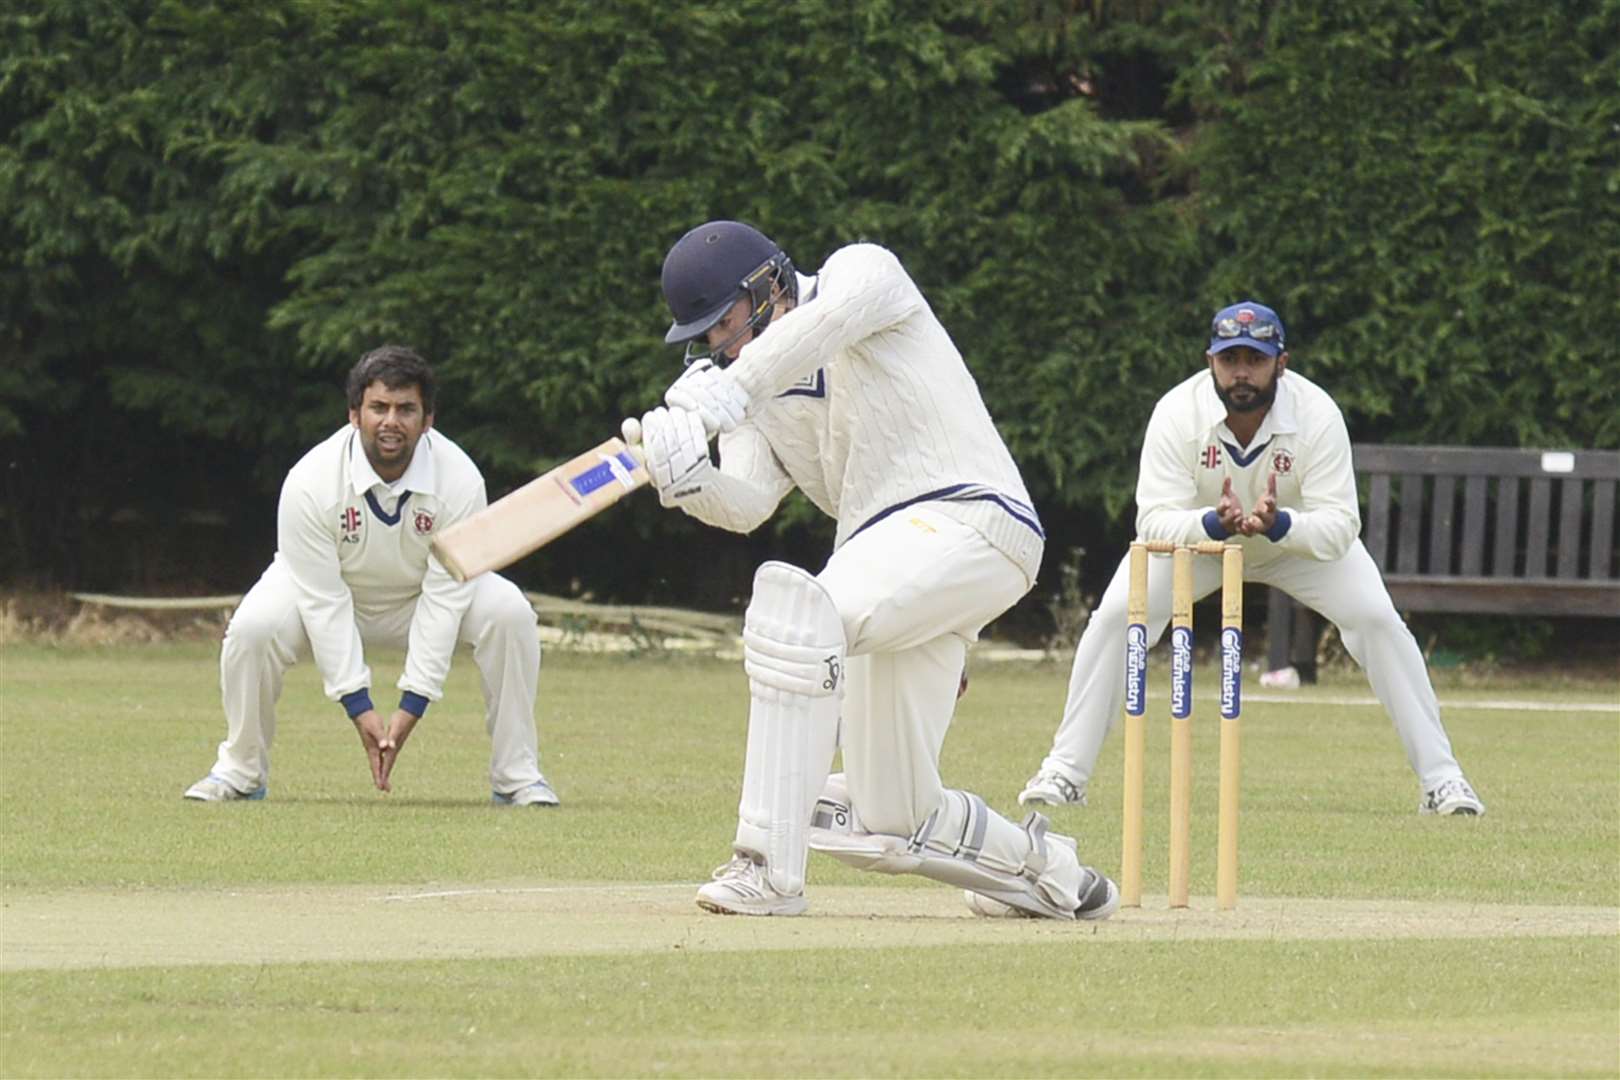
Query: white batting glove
(677, 454)
(713, 393)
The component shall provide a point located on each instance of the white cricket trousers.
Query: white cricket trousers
(266, 637)
(913, 591)
(1349, 592)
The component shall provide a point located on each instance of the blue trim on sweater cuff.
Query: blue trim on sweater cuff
(1212, 526)
(1280, 527)
(413, 703)
(356, 702)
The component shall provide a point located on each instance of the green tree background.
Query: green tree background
(211, 209)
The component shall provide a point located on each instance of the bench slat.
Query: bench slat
(1378, 520)
(1540, 525)
(1406, 550)
(1601, 564)
(1442, 512)
(1484, 596)
(1480, 460)
(1473, 538)
(1569, 529)
(1507, 526)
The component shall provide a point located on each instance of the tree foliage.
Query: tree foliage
(1438, 208)
(211, 209)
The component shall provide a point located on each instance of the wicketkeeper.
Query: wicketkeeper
(1251, 450)
(352, 569)
(847, 387)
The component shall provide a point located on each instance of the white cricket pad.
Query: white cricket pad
(793, 651)
(964, 843)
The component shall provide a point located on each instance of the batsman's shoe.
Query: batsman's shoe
(538, 793)
(1099, 898)
(1052, 789)
(1451, 797)
(741, 887)
(213, 788)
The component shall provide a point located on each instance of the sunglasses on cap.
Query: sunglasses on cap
(1247, 324)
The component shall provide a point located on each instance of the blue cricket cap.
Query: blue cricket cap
(1247, 323)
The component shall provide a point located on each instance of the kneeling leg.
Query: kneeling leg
(964, 843)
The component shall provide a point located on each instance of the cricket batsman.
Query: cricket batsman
(847, 387)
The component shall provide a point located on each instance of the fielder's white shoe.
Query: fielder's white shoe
(741, 887)
(1451, 797)
(1099, 898)
(213, 788)
(1052, 789)
(538, 793)
(1282, 679)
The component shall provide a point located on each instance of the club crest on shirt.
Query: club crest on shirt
(1211, 457)
(1282, 462)
(349, 522)
(423, 520)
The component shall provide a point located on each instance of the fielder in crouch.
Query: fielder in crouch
(353, 568)
(1253, 451)
(846, 386)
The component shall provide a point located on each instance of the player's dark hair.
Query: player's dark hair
(396, 367)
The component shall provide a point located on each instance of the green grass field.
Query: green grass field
(334, 931)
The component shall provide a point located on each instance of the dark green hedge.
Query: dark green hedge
(210, 209)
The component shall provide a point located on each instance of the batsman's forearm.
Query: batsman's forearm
(732, 503)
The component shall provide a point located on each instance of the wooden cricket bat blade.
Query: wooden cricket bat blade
(541, 510)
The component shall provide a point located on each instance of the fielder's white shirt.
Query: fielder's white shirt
(356, 544)
(861, 400)
(1188, 452)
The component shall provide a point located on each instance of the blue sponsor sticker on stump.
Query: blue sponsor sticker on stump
(1181, 671)
(1231, 672)
(1136, 651)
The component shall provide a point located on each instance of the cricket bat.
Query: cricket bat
(541, 510)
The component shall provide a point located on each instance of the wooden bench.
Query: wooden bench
(1485, 530)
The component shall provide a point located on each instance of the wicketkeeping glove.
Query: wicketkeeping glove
(677, 450)
(711, 392)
